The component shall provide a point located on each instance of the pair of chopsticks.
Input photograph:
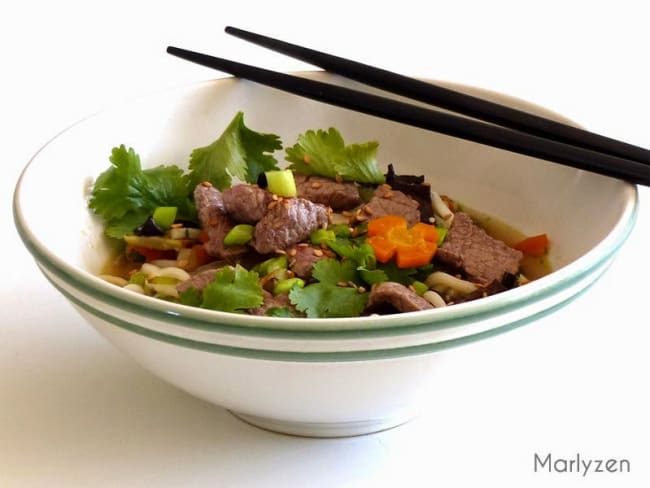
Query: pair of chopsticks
(504, 127)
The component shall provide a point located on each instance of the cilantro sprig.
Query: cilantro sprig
(125, 194)
(239, 152)
(324, 153)
(326, 297)
(233, 289)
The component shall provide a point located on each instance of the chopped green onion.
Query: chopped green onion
(164, 280)
(281, 182)
(164, 217)
(442, 233)
(138, 278)
(285, 286)
(322, 236)
(419, 287)
(271, 264)
(239, 235)
(340, 230)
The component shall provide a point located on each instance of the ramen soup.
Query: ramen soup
(329, 234)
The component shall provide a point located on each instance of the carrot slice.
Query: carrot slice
(384, 249)
(390, 236)
(428, 232)
(415, 256)
(381, 225)
(536, 246)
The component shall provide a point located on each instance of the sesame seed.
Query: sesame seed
(318, 252)
(316, 185)
(342, 284)
(206, 184)
(292, 251)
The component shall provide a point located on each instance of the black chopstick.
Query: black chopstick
(449, 99)
(445, 123)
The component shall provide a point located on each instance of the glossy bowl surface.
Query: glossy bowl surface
(309, 376)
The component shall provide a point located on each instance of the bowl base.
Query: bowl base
(323, 429)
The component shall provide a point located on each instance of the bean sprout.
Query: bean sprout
(434, 299)
(115, 280)
(440, 279)
(134, 287)
(441, 209)
(174, 272)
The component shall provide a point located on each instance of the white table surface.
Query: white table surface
(75, 412)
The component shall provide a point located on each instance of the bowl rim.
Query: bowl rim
(194, 317)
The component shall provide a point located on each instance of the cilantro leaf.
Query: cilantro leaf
(404, 276)
(191, 297)
(125, 194)
(326, 298)
(283, 312)
(332, 271)
(233, 290)
(324, 153)
(359, 252)
(239, 152)
(372, 276)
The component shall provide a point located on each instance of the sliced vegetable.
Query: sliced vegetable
(164, 217)
(536, 246)
(281, 183)
(271, 264)
(239, 235)
(340, 230)
(285, 286)
(197, 257)
(322, 236)
(390, 237)
(381, 225)
(419, 287)
(154, 242)
(442, 233)
(185, 233)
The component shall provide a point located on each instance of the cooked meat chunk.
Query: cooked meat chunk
(245, 203)
(198, 281)
(338, 196)
(271, 301)
(470, 249)
(214, 220)
(303, 257)
(288, 221)
(415, 187)
(387, 201)
(400, 297)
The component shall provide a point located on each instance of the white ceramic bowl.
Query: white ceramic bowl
(320, 377)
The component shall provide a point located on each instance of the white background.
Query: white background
(74, 412)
